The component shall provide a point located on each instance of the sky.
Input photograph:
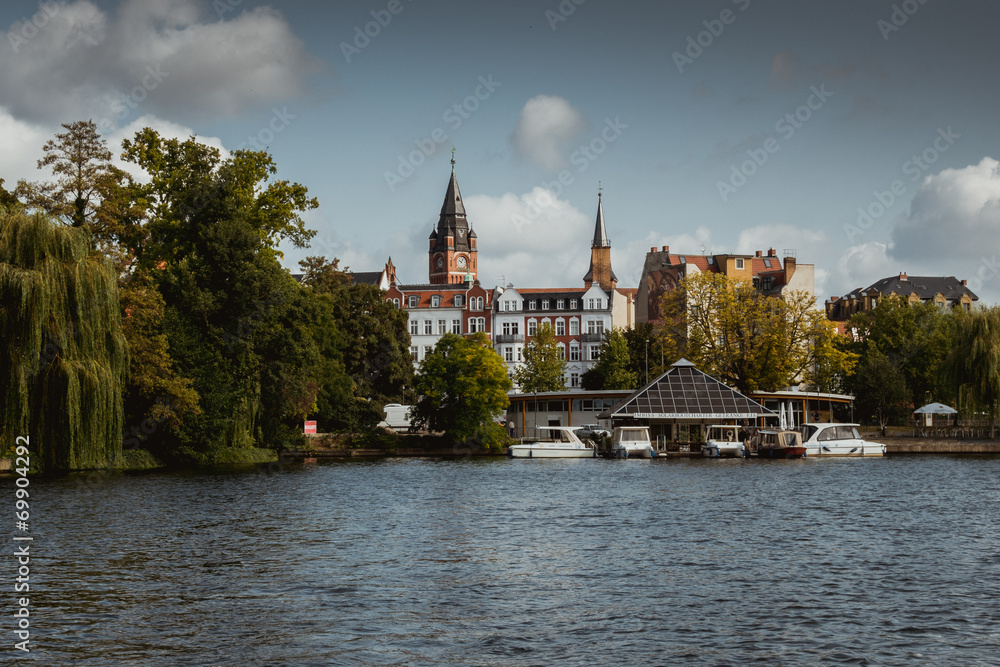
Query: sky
(860, 135)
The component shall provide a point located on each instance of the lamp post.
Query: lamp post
(647, 361)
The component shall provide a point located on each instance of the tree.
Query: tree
(612, 370)
(880, 390)
(81, 162)
(64, 359)
(462, 385)
(751, 341)
(7, 199)
(972, 367)
(544, 363)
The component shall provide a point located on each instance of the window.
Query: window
(435, 301)
(456, 326)
(574, 352)
(532, 327)
(574, 379)
(600, 327)
(531, 305)
(545, 304)
(572, 304)
(474, 325)
(767, 263)
(508, 354)
(561, 304)
(415, 353)
(428, 327)
(519, 353)
(560, 327)
(395, 302)
(427, 350)
(442, 327)
(591, 326)
(414, 301)
(562, 351)
(590, 304)
(574, 327)
(459, 300)
(739, 264)
(595, 352)
(508, 306)
(682, 259)
(476, 303)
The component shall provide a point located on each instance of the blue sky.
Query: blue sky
(736, 125)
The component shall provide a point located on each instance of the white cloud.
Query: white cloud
(546, 129)
(533, 239)
(21, 147)
(154, 57)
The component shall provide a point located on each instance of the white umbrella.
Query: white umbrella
(791, 417)
(781, 418)
(935, 409)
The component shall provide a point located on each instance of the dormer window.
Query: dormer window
(545, 304)
(531, 305)
(572, 304)
(561, 304)
(414, 301)
(435, 301)
(459, 300)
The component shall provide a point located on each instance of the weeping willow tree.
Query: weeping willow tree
(972, 367)
(63, 358)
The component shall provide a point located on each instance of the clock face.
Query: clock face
(461, 262)
(440, 262)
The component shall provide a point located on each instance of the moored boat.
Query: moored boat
(780, 444)
(632, 442)
(723, 441)
(561, 443)
(838, 440)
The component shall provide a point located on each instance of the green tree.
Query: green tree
(972, 367)
(751, 341)
(7, 198)
(81, 163)
(544, 364)
(462, 385)
(613, 369)
(880, 390)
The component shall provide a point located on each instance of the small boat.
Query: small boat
(780, 444)
(838, 440)
(723, 441)
(632, 442)
(562, 443)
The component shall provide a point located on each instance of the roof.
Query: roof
(367, 278)
(452, 198)
(600, 231)
(684, 392)
(926, 287)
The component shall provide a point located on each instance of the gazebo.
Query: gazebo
(678, 405)
(931, 409)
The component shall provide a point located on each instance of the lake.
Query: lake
(893, 561)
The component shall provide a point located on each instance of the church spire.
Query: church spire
(600, 231)
(600, 254)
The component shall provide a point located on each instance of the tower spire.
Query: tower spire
(600, 253)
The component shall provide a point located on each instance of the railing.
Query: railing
(508, 338)
(591, 337)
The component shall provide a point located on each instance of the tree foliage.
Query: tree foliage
(544, 365)
(751, 341)
(879, 389)
(972, 367)
(462, 385)
(613, 370)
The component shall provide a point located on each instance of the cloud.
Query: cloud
(161, 57)
(547, 127)
(534, 239)
(21, 147)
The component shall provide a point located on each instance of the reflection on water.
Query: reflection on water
(891, 561)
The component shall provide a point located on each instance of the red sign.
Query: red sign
(310, 427)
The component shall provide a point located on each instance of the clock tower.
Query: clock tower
(452, 252)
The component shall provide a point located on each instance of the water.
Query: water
(893, 561)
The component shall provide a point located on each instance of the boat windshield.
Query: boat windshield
(633, 435)
(808, 431)
(723, 433)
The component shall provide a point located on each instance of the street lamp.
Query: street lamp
(647, 361)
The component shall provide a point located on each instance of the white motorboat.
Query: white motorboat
(632, 442)
(561, 443)
(838, 440)
(723, 441)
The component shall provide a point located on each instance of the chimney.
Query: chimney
(965, 283)
(666, 249)
(834, 299)
(771, 252)
(759, 253)
(653, 249)
(902, 276)
(789, 268)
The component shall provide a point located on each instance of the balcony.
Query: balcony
(508, 338)
(591, 337)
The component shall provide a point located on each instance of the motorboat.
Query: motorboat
(723, 441)
(838, 440)
(779, 444)
(561, 443)
(632, 442)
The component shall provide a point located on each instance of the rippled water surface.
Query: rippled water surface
(892, 561)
